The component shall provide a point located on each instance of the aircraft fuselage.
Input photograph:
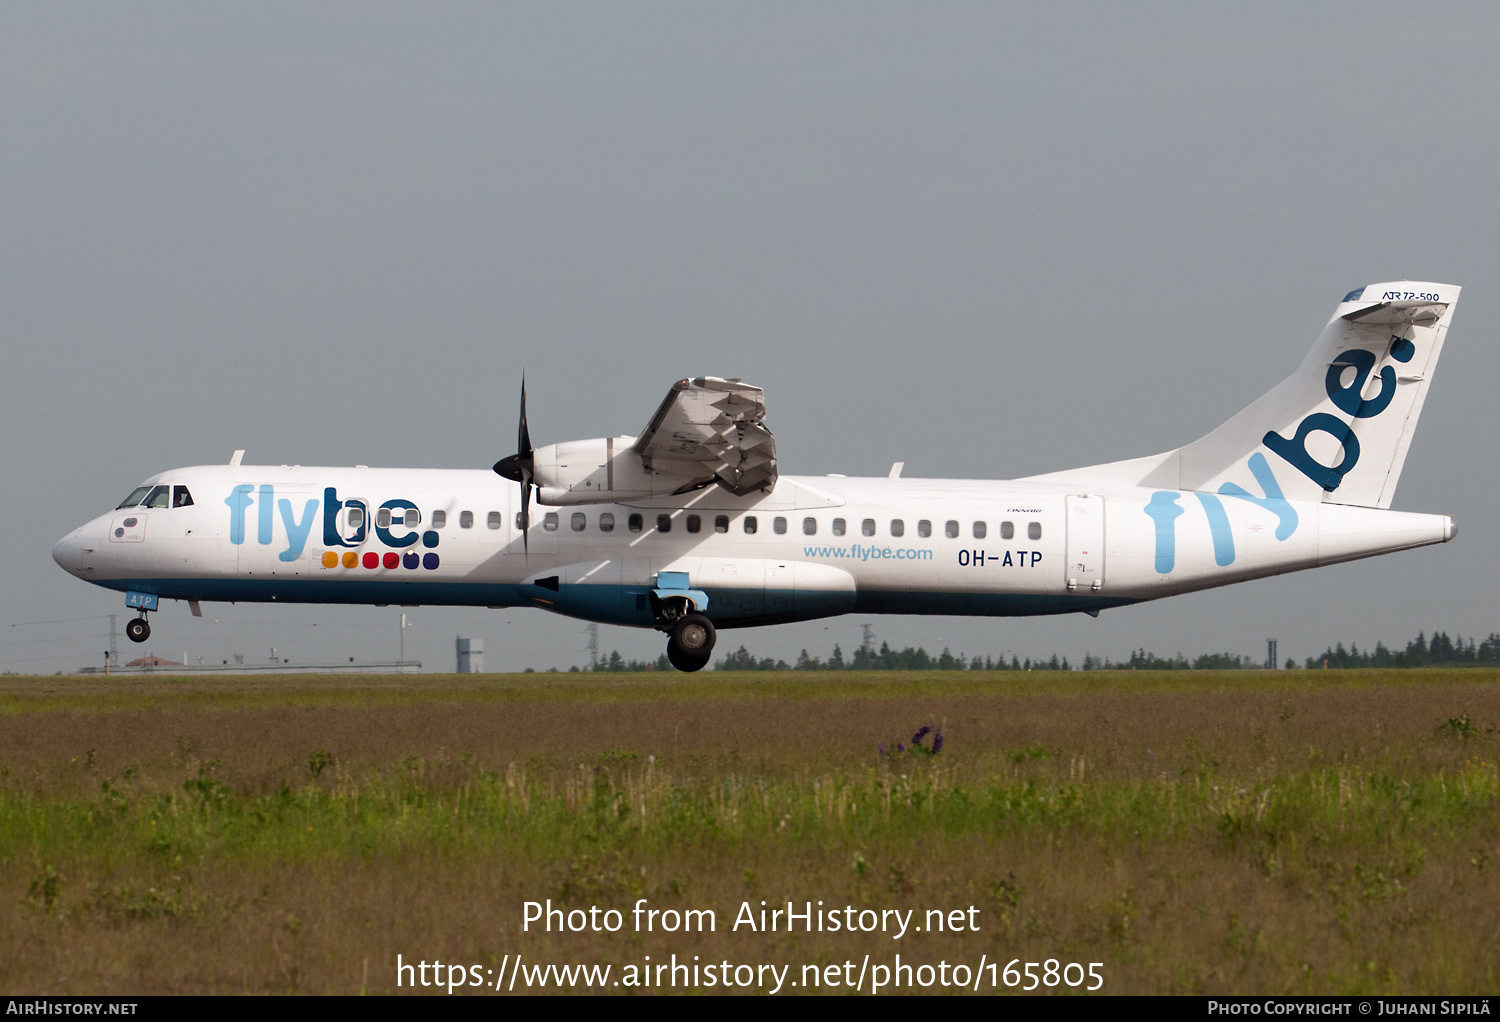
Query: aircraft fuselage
(811, 547)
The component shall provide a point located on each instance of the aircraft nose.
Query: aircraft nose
(68, 553)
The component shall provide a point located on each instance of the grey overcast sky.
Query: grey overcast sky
(986, 239)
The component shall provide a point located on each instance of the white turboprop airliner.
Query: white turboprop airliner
(688, 527)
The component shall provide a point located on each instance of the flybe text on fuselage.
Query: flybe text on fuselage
(297, 524)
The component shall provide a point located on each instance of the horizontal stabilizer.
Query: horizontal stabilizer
(1404, 313)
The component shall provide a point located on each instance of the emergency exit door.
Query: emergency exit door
(1085, 565)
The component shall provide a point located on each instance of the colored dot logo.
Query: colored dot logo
(410, 560)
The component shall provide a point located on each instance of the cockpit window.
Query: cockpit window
(181, 497)
(158, 497)
(137, 496)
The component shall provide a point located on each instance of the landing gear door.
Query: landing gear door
(1085, 564)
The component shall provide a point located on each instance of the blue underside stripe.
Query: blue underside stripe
(625, 605)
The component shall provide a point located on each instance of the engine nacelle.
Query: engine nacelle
(602, 471)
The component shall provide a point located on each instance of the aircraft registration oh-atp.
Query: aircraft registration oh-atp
(689, 527)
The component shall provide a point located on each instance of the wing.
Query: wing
(711, 429)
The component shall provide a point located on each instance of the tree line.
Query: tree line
(1439, 650)
(918, 659)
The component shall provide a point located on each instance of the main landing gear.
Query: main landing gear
(690, 643)
(690, 635)
(138, 629)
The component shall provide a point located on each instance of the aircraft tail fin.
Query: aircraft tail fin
(1338, 429)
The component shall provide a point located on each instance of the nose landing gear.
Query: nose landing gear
(138, 629)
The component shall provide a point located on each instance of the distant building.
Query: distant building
(470, 655)
(153, 661)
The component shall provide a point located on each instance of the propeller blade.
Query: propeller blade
(518, 467)
(523, 434)
(521, 468)
(526, 518)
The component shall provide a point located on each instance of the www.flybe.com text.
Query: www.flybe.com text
(862, 552)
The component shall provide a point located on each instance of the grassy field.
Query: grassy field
(1296, 832)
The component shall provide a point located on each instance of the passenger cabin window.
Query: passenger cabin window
(721, 523)
(493, 520)
(750, 524)
(356, 518)
(839, 526)
(898, 527)
(778, 525)
(181, 497)
(383, 518)
(137, 497)
(867, 526)
(634, 523)
(158, 497)
(1007, 530)
(1034, 530)
(809, 526)
(579, 521)
(694, 524)
(606, 522)
(951, 530)
(439, 519)
(980, 530)
(466, 519)
(550, 521)
(663, 523)
(410, 518)
(924, 528)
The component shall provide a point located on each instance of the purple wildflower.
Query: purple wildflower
(900, 747)
(916, 739)
(937, 742)
(881, 747)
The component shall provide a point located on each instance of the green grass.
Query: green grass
(96, 694)
(1296, 832)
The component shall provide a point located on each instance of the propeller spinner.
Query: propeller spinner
(520, 468)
